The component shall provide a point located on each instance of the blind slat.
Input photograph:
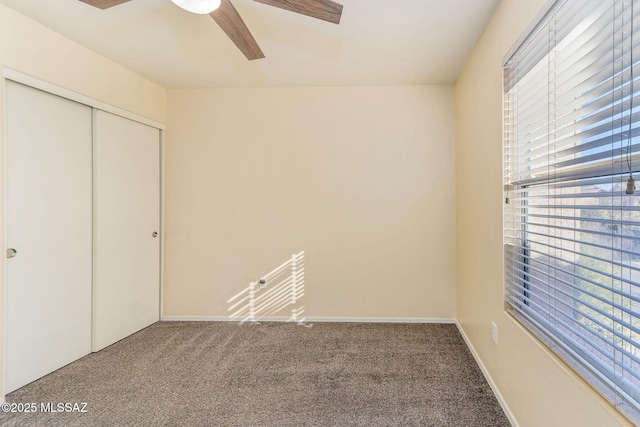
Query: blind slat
(532, 287)
(605, 287)
(579, 289)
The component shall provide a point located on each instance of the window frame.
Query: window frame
(553, 338)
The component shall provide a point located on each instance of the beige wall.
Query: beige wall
(361, 179)
(538, 389)
(32, 49)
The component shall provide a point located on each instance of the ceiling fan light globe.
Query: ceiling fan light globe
(201, 7)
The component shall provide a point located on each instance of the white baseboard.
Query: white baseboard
(380, 320)
(313, 319)
(194, 319)
(487, 376)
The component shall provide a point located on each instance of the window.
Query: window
(572, 233)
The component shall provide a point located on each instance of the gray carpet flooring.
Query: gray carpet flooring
(270, 374)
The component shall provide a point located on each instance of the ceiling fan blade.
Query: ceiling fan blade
(326, 10)
(104, 4)
(228, 18)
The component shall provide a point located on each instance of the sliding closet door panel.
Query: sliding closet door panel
(48, 224)
(127, 223)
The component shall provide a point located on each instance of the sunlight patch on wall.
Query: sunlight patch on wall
(276, 294)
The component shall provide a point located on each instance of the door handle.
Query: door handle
(11, 253)
(154, 234)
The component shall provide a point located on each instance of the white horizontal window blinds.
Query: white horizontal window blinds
(572, 233)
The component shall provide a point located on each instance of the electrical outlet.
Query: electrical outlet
(494, 332)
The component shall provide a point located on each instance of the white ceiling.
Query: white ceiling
(390, 42)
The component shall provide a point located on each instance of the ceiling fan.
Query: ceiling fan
(228, 18)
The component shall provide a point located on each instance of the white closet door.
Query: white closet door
(127, 220)
(48, 223)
